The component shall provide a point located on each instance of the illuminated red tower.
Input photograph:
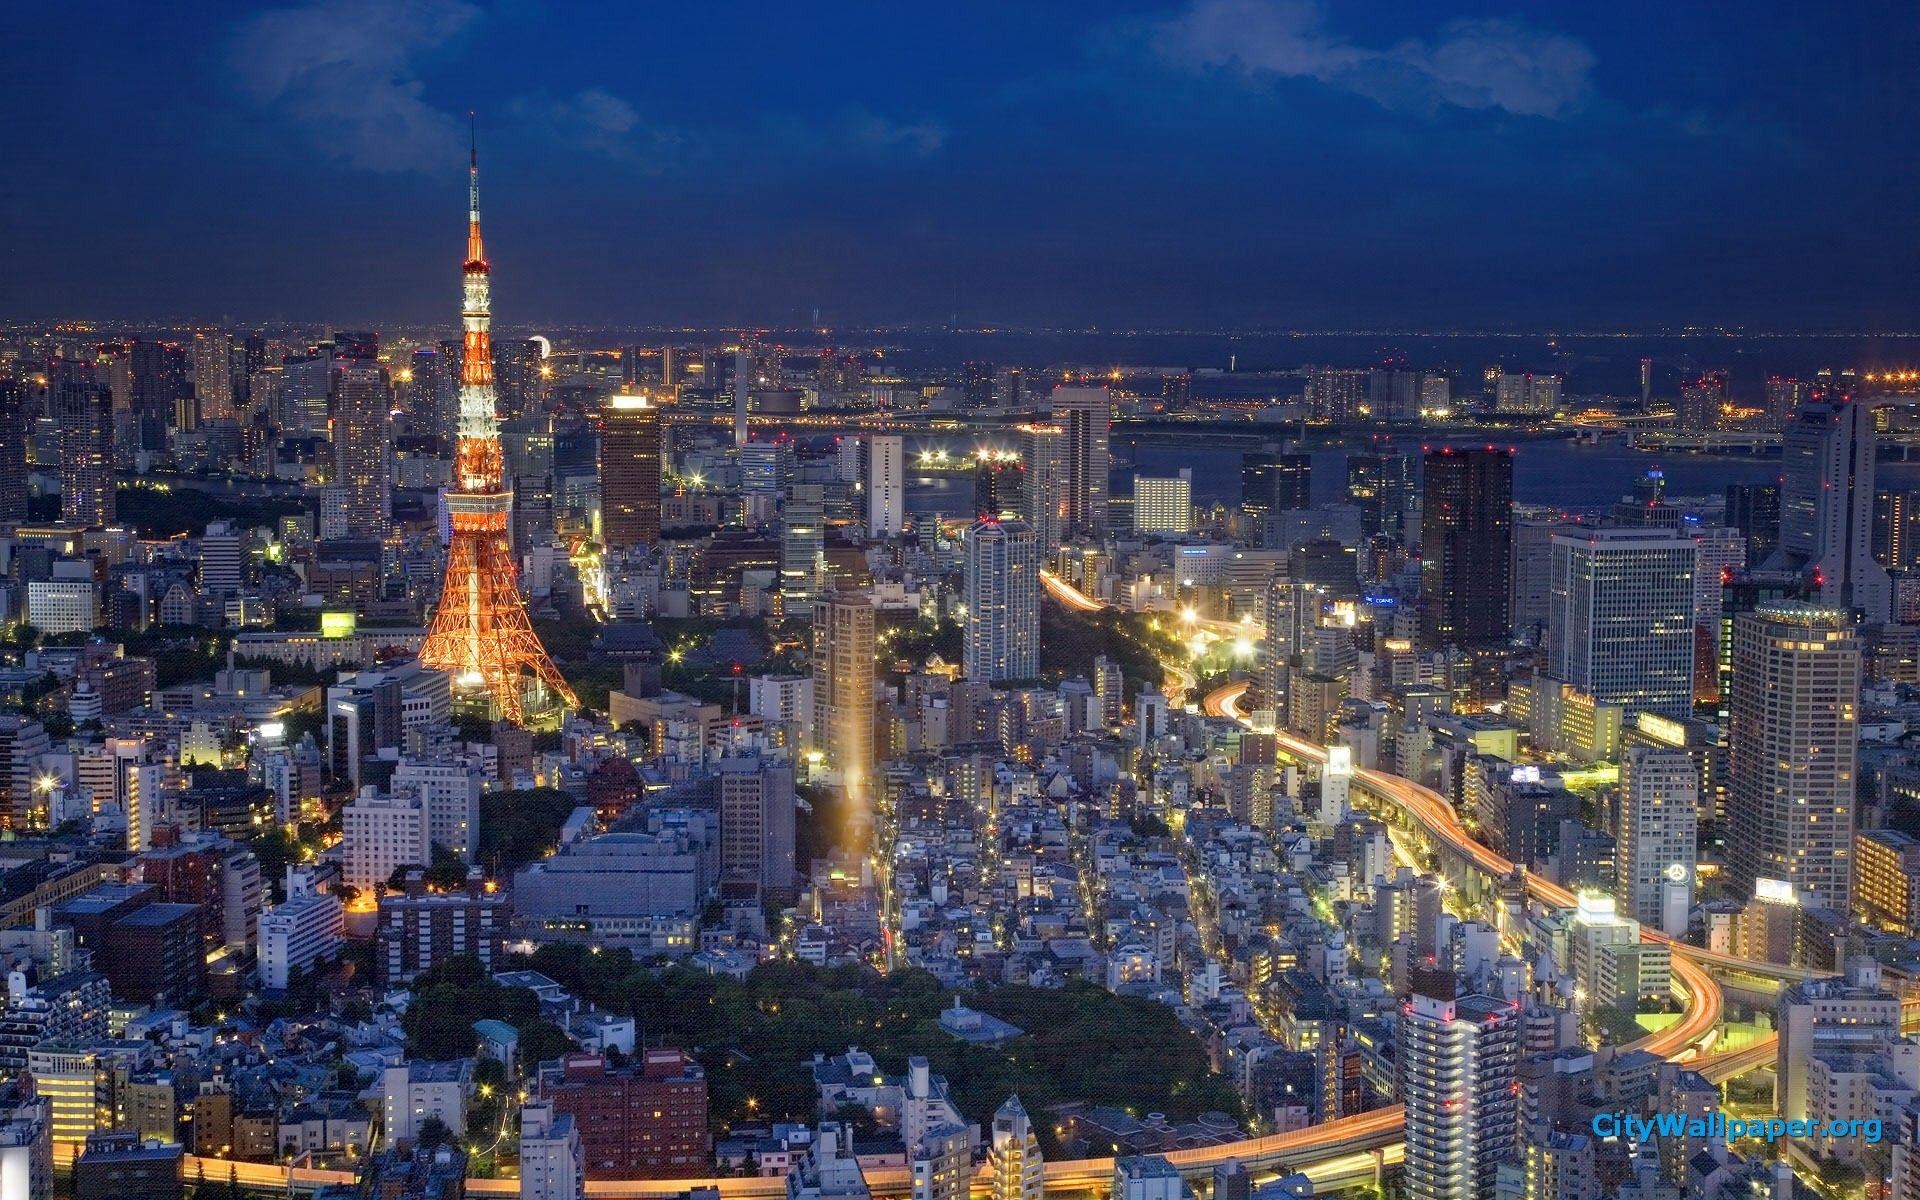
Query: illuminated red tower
(480, 629)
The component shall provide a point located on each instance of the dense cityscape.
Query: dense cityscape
(953, 759)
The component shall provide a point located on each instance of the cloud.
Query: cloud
(882, 133)
(597, 121)
(345, 70)
(1472, 64)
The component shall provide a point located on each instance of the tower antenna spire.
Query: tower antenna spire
(475, 252)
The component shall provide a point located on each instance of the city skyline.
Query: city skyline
(1480, 163)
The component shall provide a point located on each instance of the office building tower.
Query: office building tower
(1826, 507)
(1466, 547)
(886, 486)
(213, 375)
(1043, 467)
(1273, 483)
(553, 1165)
(1754, 509)
(843, 689)
(1720, 554)
(13, 451)
(223, 559)
(1163, 506)
(520, 379)
(1380, 486)
(630, 472)
(976, 384)
(157, 383)
(999, 484)
(757, 824)
(362, 407)
(1013, 1155)
(764, 468)
(82, 411)
(1784, 396)
(1621, 617)
(1393, 394)
(742, 389)
(1646, 382)
(1896, 528)
(1702, 403)
(1792, 749)
(1657, 833)
(802, 545)
(1003, 601)
(1086, 414)
(1457, 1059)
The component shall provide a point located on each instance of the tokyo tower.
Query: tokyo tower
(480, 631)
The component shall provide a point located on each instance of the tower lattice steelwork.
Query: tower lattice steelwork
(480, 629)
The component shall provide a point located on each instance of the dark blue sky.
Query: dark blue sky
(1218, 163)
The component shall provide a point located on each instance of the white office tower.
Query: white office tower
(1621, 616)
(1826, 507)
(1003, 601)
(223, 559)
(1793, 750)
(553, 1164)
(380, 833)
(1657, 836)
(1163, 506)
(451, 792)
(886, 486)
(1019, 1172)
(1457, 1060)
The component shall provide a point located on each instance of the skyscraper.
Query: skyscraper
(1792, 749)
(157, 383)
(1754, 509)
(1274, 483)
(1702, 403)
(1621, 617)
(82, 410)
(13, 451)
(1003, 601)
(481, 631)
(1466, 546)
(1657, 835)
(1043, 465)
(756, 822)
(362, 407)
(1086, 414)
(213, 374)
(630, 472)
(1785, 395)
(1379, 485)
(1826, 507)
(976, 384)
(802, 545)
(843, 689)
(886, 486)
(1458, 1057)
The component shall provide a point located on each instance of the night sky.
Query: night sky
(1202, 164)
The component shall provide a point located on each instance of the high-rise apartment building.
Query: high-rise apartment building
(1466, 550)
(886, 486)
(1003, 601)
(1526, 393)
(553, 1165)
(82, 410)
(13, 451)
(157, 384)
(1457, 1062)
(1163, 506)
(1380, 486)
(630, 472)
(362, 406)
(213, 375)
(843, 688)
(1657, 835)
(1621, 617)
(1043, 467)
(1826, 507)
(1792, 749)
(1086, 414)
